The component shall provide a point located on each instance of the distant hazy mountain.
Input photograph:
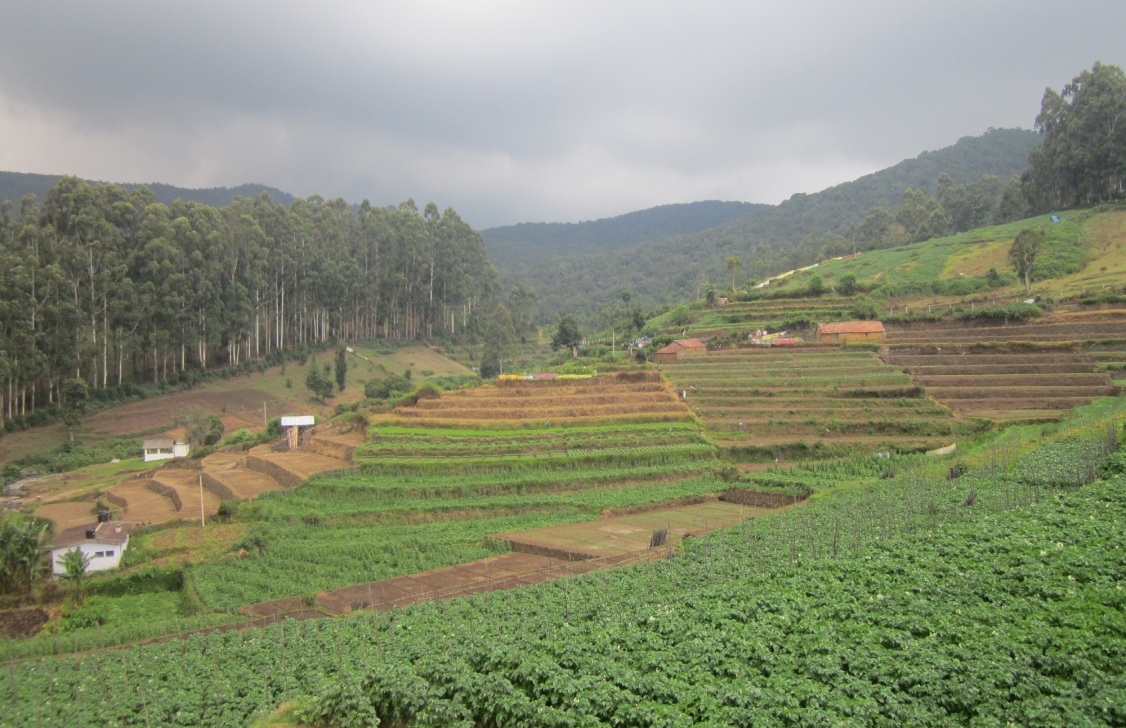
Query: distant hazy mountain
(539, 239)
(669, 269)
(14, 185)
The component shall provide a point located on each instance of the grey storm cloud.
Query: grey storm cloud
(512, 111)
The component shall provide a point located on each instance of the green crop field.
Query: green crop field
(895, 597)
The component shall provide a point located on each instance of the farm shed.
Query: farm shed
(680, 349)
(164, 449)
(293, 426)
(103, 544)
(850, 331)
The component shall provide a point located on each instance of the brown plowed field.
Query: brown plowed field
(899, 358)
(240, 408)
(244, 483)
(1019, 402)
(65, 515)
(187, 486)
(301, 465)
(339, 447)
(544, 413)
(143, 505)
(625, 534)
(1061, 331)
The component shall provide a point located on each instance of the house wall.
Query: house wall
(159, 454)
(666, 358)
(180, 450)
(97, 563)
(691, 351)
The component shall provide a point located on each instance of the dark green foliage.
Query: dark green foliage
(1083, 158)
(1005, 314)
(22, 542)
(341, 366)
(567, 334)
(393, 386)
(847, 285)
(317, 383)
(865, 309)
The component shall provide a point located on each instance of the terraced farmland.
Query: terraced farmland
(626, 397)
(1029, 372)
(766, 314)
(764, 403)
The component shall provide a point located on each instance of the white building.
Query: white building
(164, 449)
(103, 544)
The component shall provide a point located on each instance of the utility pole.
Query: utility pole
(202, 519)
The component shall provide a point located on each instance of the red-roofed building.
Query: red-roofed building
(680, 349)
(850, 331)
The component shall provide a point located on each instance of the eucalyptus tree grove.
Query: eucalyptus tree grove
(104, 285)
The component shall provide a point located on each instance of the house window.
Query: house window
(109, 553)
(99, 554)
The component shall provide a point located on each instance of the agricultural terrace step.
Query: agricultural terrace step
(682, 415)
(801, 305)
(907, 442)
(291, 468)
(896, 358)
(1109, 330)
(832, 431)
(337, 447)
(239, 483)
(1013, 380)
(576, 401)
(521, 410)
(1009, 403)
(755, 362)
(1021, 417)
(186, 483)
(141, 504)
(813, 404)
(1040, 394)
(825, 389)
(514, 391)
(777, 372)
(759, 414)
(970, 369)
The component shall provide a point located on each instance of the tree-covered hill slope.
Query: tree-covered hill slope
(14, 185)
(529, 242)
(768, 241)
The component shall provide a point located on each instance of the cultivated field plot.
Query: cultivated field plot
(629, 534)
(808, 402)
(624, 397)
(771, 315)
(1033, 371)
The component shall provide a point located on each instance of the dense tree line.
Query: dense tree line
(105, 285)
(1082, 160)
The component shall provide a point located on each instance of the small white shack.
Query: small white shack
(293, 425)
(164, 449)
(103, 544)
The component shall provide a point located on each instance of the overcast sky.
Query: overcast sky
(529, 110)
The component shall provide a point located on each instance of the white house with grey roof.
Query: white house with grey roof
(164, 449)
(103, 544)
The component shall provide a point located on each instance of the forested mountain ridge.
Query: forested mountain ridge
(664, 272)
(532, 241)
(109, 287)
(15, 185)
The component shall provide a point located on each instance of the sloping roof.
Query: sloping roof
(107, 533)
(852, 327)
(297, 421)
(157, 443)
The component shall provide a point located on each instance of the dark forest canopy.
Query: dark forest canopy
(106, 285)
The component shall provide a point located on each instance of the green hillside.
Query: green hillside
(769, 241)
(528, 244)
